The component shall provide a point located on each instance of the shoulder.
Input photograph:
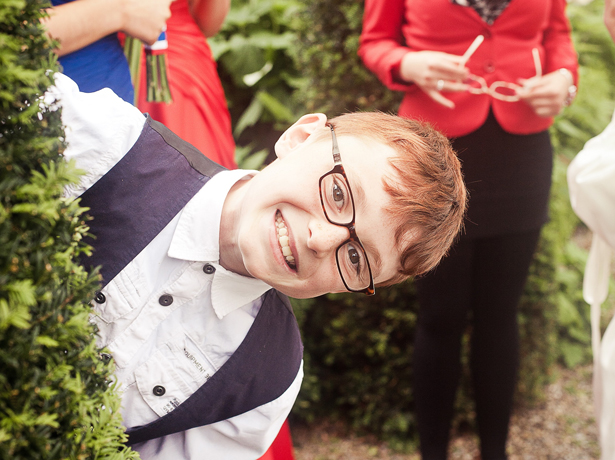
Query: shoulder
(100, 127)
(277, 296)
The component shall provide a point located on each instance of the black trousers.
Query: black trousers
(481, 279)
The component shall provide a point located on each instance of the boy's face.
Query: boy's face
(289, 188)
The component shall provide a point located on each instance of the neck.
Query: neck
(230, 255)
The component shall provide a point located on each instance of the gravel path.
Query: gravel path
(562, 428)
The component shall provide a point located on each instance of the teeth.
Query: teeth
(284, 240)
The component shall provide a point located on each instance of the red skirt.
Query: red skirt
(282, 447)
(198, 113)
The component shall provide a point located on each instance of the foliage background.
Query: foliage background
(255, 63)
(56, 401)
(358, 350)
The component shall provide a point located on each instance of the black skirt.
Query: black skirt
(508, 177)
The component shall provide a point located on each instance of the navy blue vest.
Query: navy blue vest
(130, 205)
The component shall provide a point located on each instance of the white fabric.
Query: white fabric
(181, 345)
(591, 181)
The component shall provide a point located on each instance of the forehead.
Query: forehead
(366, 163)
(358, 153)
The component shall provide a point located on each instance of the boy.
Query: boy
(208, 355)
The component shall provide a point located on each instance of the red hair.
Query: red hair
(428, 195)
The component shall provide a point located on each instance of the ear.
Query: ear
(299, 132)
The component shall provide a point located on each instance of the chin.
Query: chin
(297, 292)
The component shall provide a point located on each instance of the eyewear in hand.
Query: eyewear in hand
(501, 90)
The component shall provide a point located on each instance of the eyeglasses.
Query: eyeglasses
(338, 206)
(502, 90)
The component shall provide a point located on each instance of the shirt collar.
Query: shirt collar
(197, 239)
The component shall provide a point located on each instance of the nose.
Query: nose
(325, 237)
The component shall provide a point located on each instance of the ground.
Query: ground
(562, 428)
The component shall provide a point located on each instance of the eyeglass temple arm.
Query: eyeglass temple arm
(477, 42)
(337, 158)
(537, 62)
(470, 51)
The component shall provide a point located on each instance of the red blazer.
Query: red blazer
(391, 28)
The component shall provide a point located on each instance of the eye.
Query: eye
(353, 265)
(338, 194)
(354, 258)
(337, 199)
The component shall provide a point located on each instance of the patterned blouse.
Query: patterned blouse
(489, 10)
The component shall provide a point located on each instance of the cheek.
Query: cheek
(254, 253)
(325, 280)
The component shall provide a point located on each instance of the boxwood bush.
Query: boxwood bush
(56, 401)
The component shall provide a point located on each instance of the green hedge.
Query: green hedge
(55, 396)
(358, 349)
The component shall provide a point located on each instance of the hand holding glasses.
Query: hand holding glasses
(437, 73)
(546, 95)
(502, 90)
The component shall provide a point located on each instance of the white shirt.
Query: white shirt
(173, 348)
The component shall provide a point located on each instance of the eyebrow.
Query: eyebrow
(358, 195)
(376, 261)
(357, 189)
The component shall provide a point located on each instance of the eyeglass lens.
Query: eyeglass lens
(502, 90)
(339, 209)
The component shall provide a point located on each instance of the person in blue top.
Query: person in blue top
(89, 49)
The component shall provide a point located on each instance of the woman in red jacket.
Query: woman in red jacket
(496, 102)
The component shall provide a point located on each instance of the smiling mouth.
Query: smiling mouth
(284, 240)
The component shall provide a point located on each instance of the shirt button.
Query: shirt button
(100, 297)
(165, 300)
(159, 390)
(209, 269)
(489, 67)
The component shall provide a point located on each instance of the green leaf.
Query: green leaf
(47, 419)
(567, 312)
(279, 111)
(21, 292)
(242, 58)
(573, 354)
(255, 161)
(46, 341)
(253, 78)
(249, 117)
